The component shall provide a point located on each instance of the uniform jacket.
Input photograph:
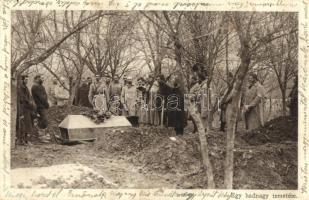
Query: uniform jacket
(40, 96)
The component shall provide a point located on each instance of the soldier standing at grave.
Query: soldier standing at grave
(152, 101)
(98, 89)
(25, 108)
(115, 89)
(40, 98)
(176, 114)
(82, 94)
(253, 103)
(128, 99)
(141, 95)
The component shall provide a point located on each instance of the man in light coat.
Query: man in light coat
(253, 103)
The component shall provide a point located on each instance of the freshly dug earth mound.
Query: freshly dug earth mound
(166, 155)
(270, 166)
(128, 140)
(181, 155)
(275, 131)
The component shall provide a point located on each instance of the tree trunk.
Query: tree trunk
(13, 111)
(283, 103)
(178, 54)
(204, 145)
(232, 115)
(227, 53)
(231, 130)
(270, 110)
(210, 118)
(210, 111)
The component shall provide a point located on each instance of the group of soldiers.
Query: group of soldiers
(138, 101)
(154, 100)
(31, 107)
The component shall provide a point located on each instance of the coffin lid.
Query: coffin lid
(81, 121)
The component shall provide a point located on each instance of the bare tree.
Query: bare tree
(283, 58)
(253, 33)
(170, 23)
(109, 45)
(208, 44)
(153, 45)
(32, 49)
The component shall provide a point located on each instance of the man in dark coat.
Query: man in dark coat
(40, 98)
(82, 95)
(25, 108)
(177, 117)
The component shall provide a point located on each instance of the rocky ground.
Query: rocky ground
(147, 157)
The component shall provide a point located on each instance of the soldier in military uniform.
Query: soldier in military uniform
(253, 103)
(25, 108)
(115, 89)
(153, 110)
(98, 92)
(141, 108)
(128, 99)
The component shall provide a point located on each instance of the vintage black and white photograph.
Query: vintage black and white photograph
(154, 99)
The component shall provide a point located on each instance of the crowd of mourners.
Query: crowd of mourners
(154, 100)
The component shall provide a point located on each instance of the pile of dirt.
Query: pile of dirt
(275, 131)
(180, 154)
(167, 155)
(270, 166)
(128, 140)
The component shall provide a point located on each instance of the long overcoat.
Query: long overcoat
(175, 106)
(25, 110)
